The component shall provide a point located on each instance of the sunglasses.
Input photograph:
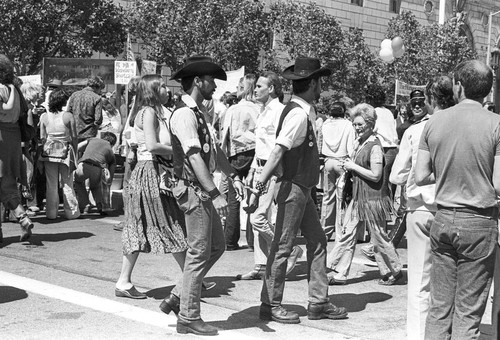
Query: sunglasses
(419, 103)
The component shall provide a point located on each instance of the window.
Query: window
(394, 6)
(357, 2)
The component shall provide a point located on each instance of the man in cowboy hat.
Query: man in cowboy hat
(195, 159)
(296, 149)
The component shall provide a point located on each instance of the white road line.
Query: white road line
(103, 305)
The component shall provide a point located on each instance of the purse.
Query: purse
(28, 132)
(56, 146)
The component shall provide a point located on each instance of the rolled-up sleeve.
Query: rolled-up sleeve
(402, 164)
(185, 127)
(294, 129)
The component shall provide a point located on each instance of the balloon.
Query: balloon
(396, 44)
(400, 52)
(386, 55)
(386, 43)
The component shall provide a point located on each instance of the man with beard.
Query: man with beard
(195, 160)
(297, 151)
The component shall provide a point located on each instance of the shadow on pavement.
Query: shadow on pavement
(159, 293)
(249, 318)
(41, 219)
(223, 287)
(9, 294)
(358, 302)
(38, 239)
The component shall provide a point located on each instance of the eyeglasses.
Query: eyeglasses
(419, 103)
(358, 125)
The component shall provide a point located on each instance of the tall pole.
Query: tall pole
(488, 48)
(488, 52)
(442, 11)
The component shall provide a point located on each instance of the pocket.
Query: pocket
(476, 242)
(185, 201)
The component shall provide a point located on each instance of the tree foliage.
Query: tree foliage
(233, 32)
(307, 30)
(31, 30)
(430, 50)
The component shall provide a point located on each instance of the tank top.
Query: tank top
(56, 128)
(142, 152)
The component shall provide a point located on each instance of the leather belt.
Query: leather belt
(491, 211)
(90, 163)
(260, 162)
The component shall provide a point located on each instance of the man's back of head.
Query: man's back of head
(96, 83)
(475, 78)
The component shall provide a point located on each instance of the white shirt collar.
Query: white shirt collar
(305, 105)
(273, 104)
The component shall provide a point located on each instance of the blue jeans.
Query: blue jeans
(296, 209)
(205, 238)
(463, 245)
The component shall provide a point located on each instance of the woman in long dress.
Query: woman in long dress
(152, 223)
(370, 205)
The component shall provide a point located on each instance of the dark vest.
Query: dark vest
(366, 189)
(301, 163)
(182, 166)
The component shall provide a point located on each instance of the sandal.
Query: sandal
(26, 226)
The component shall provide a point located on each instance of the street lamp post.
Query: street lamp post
(495, 63)
(490, 20)
(488, 52)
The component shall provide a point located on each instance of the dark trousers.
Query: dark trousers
(241, 164)
(296, 210)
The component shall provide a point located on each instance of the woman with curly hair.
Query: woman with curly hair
(370, 206)
(58, 128)
(11, 101)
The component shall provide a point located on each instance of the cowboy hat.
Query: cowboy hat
(200, 66)
(306, 68)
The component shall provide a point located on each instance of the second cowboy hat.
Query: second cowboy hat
(306, 68)
(200, 66)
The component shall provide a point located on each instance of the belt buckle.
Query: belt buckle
(202, 195)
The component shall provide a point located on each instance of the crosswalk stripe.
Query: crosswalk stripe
(103, 305)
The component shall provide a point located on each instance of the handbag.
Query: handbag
(56, 146)
(28, 132)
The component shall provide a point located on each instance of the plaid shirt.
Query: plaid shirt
(86, 107)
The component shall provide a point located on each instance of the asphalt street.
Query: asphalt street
(60, 285)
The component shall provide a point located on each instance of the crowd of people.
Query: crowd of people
(438, 153)
(54, 146)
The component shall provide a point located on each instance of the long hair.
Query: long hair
(148, 94)
(6, 70)
(248, 82)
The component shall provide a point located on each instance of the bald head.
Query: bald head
(475, 77)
